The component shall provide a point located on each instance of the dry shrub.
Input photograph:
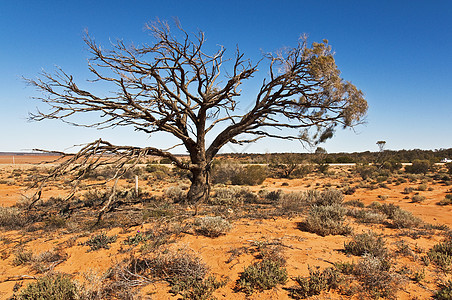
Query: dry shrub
(184, 271)
(315, 283)
(11, 218)
(212, 226)
(232, 195)
(366, 243)
(329, 197)
(51, 287)
(376, 277)
(326, 220)
(441, 255)
(367, 216)
(262, 275)
(238, 174)
(47, 260)
(176, 194)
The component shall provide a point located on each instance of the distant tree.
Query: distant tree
(419, 167)
(381, 145)
(174, 86)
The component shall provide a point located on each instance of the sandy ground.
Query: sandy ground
(302, 249)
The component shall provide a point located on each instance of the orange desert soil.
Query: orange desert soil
(302, 249)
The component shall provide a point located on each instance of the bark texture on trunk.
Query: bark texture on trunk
(200, 186)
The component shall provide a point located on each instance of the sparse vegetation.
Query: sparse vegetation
(50, 287)
(212, 226)
(326, 220)
(262, 275)
(100, 241)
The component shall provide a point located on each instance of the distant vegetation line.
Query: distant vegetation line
(355, 157)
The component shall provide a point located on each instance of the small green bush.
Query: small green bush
(326, 220)
(329, 197)
(50, 287)
(262, 275)
(317, 282)
(418, 167)
(366, 243)
(100, 241)
(417, 199)
(355, 203)
(441, 255)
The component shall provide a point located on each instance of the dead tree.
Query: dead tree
(173, 86)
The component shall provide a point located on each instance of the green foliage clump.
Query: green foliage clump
(195, 289)
(441, 255)
(50, 287)
(100, 241)
(317, 282)
(419, 167)
(262, 275)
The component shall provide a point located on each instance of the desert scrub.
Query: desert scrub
(295, 201)
(400, 218)
(417, 199)
(233, 196)
(326, 220)
(186, 273)
(22, 256)
(329, 197)
(317, 282)
(367, 216)
(50, 287)
(366, 243)
(376, 277)
(446, 201)
(355, 203)
(441, 255)
(100, 241)
(445, 291)
(47, 260)
(11, 218)
(262, 275)
(176, 194)
(212, 226)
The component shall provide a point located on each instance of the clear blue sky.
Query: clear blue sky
(399, 53)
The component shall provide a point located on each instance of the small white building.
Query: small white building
(446, 160)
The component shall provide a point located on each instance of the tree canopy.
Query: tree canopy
(172, 85)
